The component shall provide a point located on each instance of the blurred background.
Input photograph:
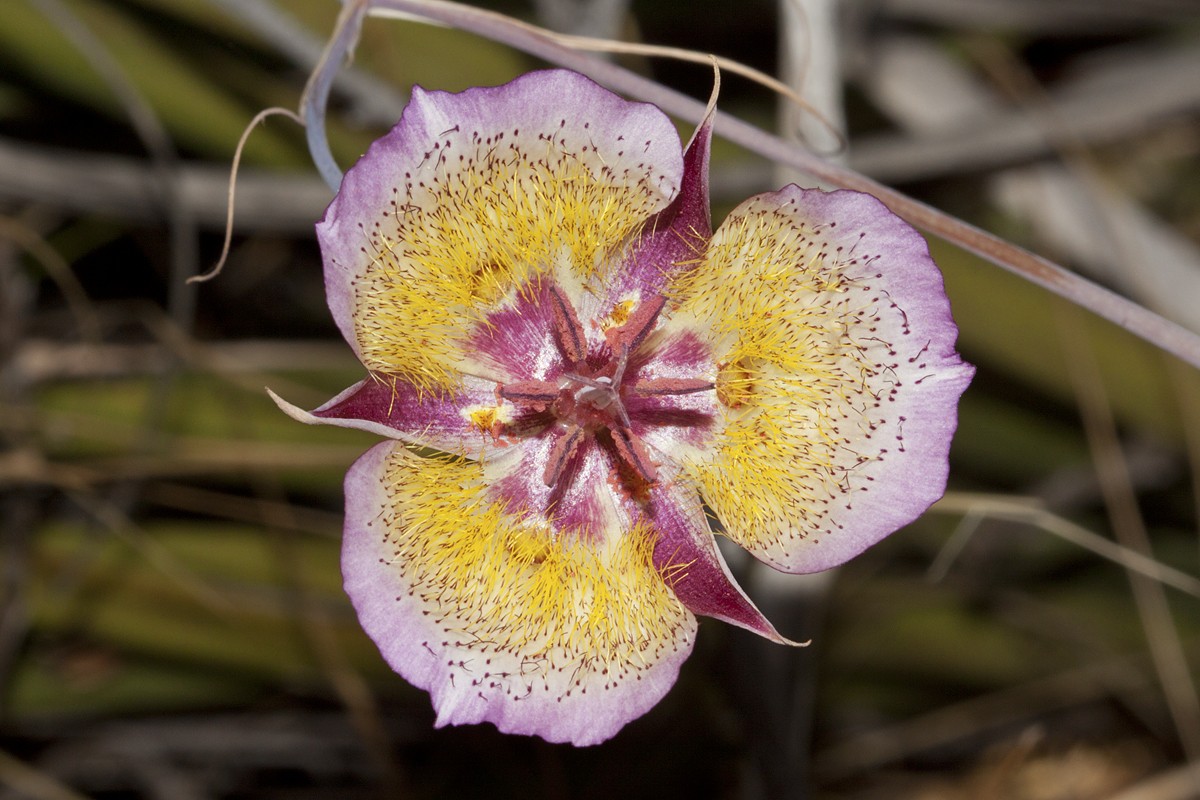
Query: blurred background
(171, 619)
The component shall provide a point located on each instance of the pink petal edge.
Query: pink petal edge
(532, 103)
(914, 473)
(413, 646)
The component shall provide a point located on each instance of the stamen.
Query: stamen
(536, 394)
(560, 454)
(639, 324)
(570, 333)
(661, 387)
(632, 451)
(622, 414)
(619, 375)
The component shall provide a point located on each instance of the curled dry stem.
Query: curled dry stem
(233, 173)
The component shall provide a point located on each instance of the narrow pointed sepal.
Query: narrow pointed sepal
(673, 240)
(689, 214)
(455, 422)
(687, 555)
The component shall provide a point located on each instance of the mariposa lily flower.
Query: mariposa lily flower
(578, 377)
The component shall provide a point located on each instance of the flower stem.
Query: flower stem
(316, 93)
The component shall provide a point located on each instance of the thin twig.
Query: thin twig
(124, 187)
(1039, 16)
(1155, 612)
(1040, 271)
(591, 17)
(1032, 512)
(233, 175)
(237, 508)
(156, 140)
(347, 682)
(122, 526)
(31, 782)
(44, 360)
(59, 271)
(952, 724)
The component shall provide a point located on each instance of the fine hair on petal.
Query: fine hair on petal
(501, 584)
(803, 373)
(483, 215)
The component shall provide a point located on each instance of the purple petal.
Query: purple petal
(840, 380)
(583, 497)
(473, 193)
(454, 592)
(516, 342)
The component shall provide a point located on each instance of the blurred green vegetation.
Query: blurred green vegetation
(170, 541)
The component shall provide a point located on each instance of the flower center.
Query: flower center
(591, 403)
(595, 401)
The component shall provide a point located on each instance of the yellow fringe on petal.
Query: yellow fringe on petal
(802, 375)
(475, 221)
(502, 585)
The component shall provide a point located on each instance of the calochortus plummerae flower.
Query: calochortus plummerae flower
(576, 375)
